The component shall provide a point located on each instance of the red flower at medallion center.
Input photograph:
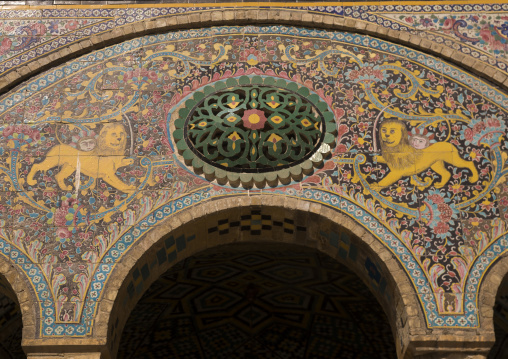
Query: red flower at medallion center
(254, 119)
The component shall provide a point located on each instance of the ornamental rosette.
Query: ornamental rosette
(254, 119)
(254, 131)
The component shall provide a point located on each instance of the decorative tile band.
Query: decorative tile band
(478, 30)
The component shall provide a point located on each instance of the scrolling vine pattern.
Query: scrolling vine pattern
(68, 235)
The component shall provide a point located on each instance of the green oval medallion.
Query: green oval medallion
(254, 125)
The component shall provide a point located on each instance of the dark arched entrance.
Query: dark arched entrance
(258, 300)
(10, 323)
(500, 348)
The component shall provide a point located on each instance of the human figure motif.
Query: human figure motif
(87, 144)
(419, 142)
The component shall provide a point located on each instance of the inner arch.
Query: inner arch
(253, 300)
(230, 220)
(11, 324)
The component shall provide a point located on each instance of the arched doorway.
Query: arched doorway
(253, 300)
(10, 323)
(328, 233)
(500, 348)
(150, 205)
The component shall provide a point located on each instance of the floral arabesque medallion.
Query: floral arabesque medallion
(254, 131)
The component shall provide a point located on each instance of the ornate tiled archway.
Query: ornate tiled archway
(104, 148)
(244, 219)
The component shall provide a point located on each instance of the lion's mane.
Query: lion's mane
(103, 147)
(403, 155)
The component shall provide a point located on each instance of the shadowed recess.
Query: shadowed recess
(258, 301)
(500, 348)
(10, 324)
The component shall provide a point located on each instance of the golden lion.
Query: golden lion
(99, 162)
(406, 160)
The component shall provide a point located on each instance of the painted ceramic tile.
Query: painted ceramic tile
(97, 152)
(478, 30)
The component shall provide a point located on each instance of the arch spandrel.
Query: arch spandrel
(117, 111)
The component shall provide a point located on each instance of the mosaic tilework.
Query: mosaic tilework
(267, 128)
(167, 254)
(255, 223)
(138, 282)
(28, 34)
(475, 29)
(291, 303)
(90, 162)
(478, 30)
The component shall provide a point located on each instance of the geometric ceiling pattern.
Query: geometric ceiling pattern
(258, 302)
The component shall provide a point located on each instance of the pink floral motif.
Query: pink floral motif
(72, 25)
(62, 232)
(441, 228)
(468, 134)
(140, 74)
(26, 132)
(39, 28)
(5, 46)
(252, 56)
(366, 72)
(436, 198)
(254, 119)
(446, 212)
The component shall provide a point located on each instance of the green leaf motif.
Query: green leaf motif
(254, 127)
